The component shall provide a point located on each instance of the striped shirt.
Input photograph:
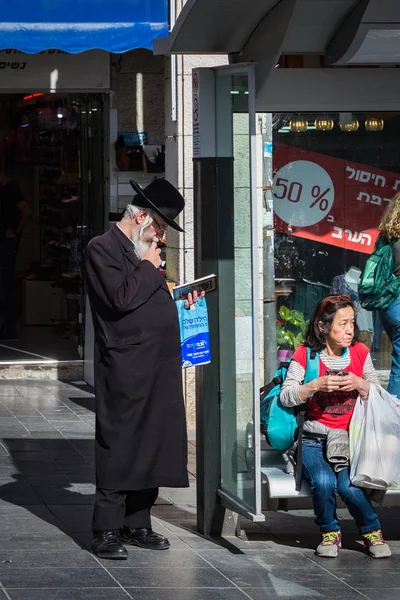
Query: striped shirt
(295, 376)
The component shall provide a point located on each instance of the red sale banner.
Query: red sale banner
(328, 199)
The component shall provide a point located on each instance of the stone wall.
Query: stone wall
(141, 86)
(179, 170)
(138, 83)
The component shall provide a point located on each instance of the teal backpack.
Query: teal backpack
(279, 423)
(379, 287)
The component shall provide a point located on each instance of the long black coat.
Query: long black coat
(141, 439)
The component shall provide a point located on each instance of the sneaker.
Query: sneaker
(375, 544)
(330, 544)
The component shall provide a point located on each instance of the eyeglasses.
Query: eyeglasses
(162, 230)
(334, 300)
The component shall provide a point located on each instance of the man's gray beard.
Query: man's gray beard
(141, 242)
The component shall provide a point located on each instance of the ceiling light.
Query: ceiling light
(298, 125)
(353, 126)
(373, 124)
(324, 123)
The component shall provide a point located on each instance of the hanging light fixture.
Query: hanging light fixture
(325, 123)
(353, 126)
(373, 124)
(298, 125)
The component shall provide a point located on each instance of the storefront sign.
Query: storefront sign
(328, 199)
(54, 70)
(203, 113)
(196, 122)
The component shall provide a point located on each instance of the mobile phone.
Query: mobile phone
(335, 372)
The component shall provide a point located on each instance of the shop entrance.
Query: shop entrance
(52, 203)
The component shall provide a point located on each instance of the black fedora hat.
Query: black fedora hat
(162, 197)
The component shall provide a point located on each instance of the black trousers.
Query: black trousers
(113, 509)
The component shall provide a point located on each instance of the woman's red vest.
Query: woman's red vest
(334, 409)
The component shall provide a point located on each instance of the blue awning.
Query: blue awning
(78, 25)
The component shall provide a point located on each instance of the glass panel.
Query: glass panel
(334, 175)
(92, 178)
(235, 288)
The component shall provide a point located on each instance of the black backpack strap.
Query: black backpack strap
(300, 421)
(299, 455)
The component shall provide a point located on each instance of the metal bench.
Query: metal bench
(278, 486)
(279, 489)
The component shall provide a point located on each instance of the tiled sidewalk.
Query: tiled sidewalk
(46, 492)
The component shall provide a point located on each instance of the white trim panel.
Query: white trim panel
(293, 90)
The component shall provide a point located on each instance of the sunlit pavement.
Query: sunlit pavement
(46, 494)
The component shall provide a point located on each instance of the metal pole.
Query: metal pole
(172, 18)
(270, 345)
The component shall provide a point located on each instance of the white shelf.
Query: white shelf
(125, 190)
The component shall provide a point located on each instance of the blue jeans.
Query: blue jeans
(325, 483)
(391, 323)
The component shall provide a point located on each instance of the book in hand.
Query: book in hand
(193, 323)
(203, 284)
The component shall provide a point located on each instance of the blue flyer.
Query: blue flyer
(195, 335)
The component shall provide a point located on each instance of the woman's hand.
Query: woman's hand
(351, 382)
(328, 383)
(333, 383)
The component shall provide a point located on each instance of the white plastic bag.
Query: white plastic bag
(375, 441)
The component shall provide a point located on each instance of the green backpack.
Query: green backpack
(379, 287)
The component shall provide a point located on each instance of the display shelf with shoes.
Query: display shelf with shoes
(58, 269)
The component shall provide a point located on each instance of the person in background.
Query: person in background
(390, 231)
(345, 373)
(14, 214)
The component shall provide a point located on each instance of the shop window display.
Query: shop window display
(333, 177)
(45, 151)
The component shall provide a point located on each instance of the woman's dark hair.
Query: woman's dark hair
(324, 313)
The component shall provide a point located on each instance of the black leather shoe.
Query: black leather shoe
(144, 537)
(107, 544)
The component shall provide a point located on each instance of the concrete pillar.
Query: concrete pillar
(179, 171)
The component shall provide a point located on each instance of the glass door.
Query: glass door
(239, 301)
(92, 187)
(92, 166)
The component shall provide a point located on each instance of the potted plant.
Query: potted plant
(290, 331)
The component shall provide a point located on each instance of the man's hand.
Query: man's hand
(193, 297)
(153, 255)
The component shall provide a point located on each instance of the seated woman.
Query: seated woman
(346, 372)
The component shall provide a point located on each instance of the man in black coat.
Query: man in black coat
(141, 441)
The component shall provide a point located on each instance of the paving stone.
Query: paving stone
(68, 594)
(188, 594)
(35, 559)
(139, 558)
(55, 578)
(161, 577)
(304, 593)
(46, 497)
(382, 594)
